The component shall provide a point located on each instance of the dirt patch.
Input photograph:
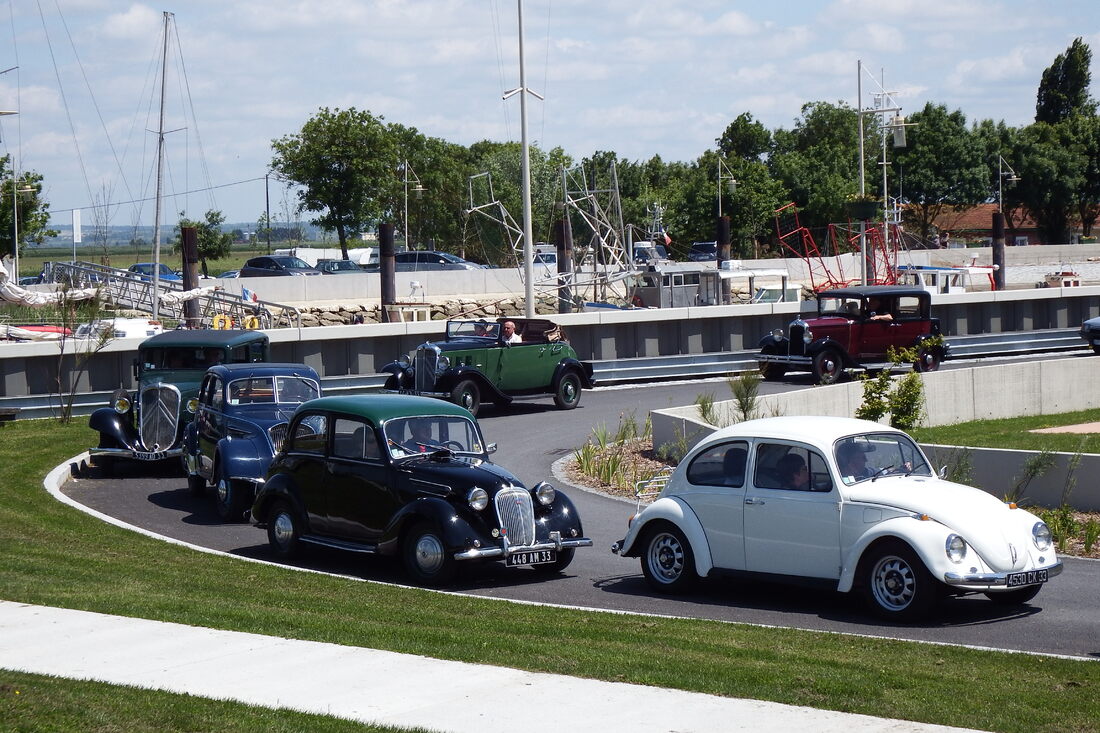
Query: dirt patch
(1083, 428)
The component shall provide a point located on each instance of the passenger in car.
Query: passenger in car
(508, 333)
(793, 473)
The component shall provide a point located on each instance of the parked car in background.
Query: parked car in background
(1090, 331)
(145, 270)
(474, 365)
(424, 259)
(854, 328)
(409, 477)
(147, 424)
(276, 265)
(30, 280)
(119, 328)
(230, 274)
(337, 267)
(850, 504)
(703, 252)
(240, 423)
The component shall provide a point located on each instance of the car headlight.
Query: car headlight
(955, 548)
(442, 364)
(545, 493)
(193, 404)
(1040, 534)
(778, 334)
(807, 336)
(121, 405)
(478, 498)
(404, 361)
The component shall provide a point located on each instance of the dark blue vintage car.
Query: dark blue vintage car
(240, 423)
(409, 477)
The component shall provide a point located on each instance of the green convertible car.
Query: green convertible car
(476, 364)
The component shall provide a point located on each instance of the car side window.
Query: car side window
(908, 308)
(310, 434)
(354, 439)
(720, 465)
(791, 468)
(215, 395)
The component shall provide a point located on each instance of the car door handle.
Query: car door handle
(754, 500)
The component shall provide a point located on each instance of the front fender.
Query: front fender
(927, 538)
(278, 488)
(117, 427)
(675, 512)
(455, 530)
(561, 516)
(242, 459)
(816, 347)
(489, 392)
(771, 340)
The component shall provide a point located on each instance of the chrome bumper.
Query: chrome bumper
(993, 579)
(780, 359)
(555, 543)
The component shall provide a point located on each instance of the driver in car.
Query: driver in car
(420, 438)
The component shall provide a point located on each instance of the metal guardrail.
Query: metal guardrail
(621, 371)
(127, 290)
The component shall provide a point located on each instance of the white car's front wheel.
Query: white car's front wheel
(896, 585)
(667, 560)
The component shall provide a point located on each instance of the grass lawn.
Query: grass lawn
(1014, 433)
(53, 555)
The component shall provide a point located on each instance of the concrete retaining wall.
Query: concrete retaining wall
(953, 396)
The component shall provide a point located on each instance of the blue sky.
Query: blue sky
(639, 77)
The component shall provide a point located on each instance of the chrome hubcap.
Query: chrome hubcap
(429, 554)
(893, 583)
(284, 528)
(666, 558)
(223, 491)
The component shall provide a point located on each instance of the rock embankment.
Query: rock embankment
(345, 313)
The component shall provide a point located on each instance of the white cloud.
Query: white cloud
(137, 22)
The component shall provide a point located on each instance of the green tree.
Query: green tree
(345, 161)
(745, 138)
(817, 161)
(213, 243)
(1052, 168)
(945, 166)
(1064, 89)
(34, 212)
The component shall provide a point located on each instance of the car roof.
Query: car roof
(204, 337)
(869, 291)
(379, 408)
(262, 369)
(814, 429)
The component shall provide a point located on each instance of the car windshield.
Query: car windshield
(412, 436)
(181, 357)
(283, 389)
(472, 329)
(333, 265)
(292, 262)
(847, 307)
(872, 455)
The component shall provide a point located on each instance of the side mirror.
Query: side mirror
(491, 448)
(943, 472)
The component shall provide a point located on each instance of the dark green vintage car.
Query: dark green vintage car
(147, 424)
(476, 364)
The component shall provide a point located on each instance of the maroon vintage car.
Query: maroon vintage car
(854, 328)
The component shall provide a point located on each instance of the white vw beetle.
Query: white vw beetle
(851, 503)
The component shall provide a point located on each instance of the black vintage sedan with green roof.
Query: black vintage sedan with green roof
(147, 424)
(477, 363)
(409, 477)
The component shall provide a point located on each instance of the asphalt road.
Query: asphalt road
(1063, 619)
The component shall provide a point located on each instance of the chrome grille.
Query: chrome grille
(426, 358)
(159, 410)
(516, 515)
(277, 434)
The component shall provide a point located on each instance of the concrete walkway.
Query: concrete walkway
(376, 686)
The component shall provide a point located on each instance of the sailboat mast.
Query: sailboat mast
(160, 172)
(528, 245)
